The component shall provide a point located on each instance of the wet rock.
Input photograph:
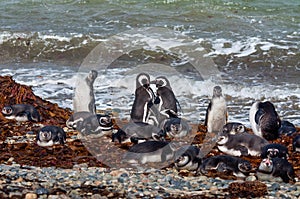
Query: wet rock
(31, 196)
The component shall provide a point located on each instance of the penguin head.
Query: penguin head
(266, 165)
(161, 81)
(45, 135)
(142, 79)
(272, 153)
(244, 166)
(217, 92)
(7, 110)
(223, 139)
(105, 121)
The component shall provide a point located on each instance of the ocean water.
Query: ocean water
(250, 48)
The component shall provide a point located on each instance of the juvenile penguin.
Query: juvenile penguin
(51, 135)
(226, 163)
(175, 128)
(84, 98)
(186, 158)
(151, 151)
(216, 113)
(274, 150)
(166, 100)
(296, 143)
(234, 128)
(276, 169)
(136, 131)
(143, 101)
(264, 120)
(243, 144)
(21, 113)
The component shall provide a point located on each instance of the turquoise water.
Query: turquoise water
(254, 45)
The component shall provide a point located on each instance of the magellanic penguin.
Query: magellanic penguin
(216, 113)
(226, 164)
(166, 100)
(276, 169)
(274, 150)
(84, 98)
(264, 120)
(234, 128)
(51, 135)
(96, 124)
(242, 144)
(287, 128)
(186, 158)
(143, 101)
(175, 128)
(21, 113)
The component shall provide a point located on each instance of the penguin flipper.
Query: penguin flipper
(258, 115)
(207, 114)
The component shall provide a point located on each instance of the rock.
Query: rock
(31, 196)
(42, 191)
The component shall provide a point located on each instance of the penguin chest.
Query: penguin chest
(226, 150)
(217, 115)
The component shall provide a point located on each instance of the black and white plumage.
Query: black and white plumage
(287, 128)
(151, 151)
(274, 150)
(136, 131)
(166, 100)
(186, 158)
(226, 164)
(21, 113)
(143, 101)
(175, 128)
(96, 124)
(296, 143)
(234, 128)
(50, 135)
(216, 113)
(84, 98)
(243, 144)
(264, 120)
(276, 169)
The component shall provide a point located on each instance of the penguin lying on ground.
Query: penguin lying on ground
(225, 164)
(50, 135)
(144, 99)
(234, 128)
(136, 131)
(175, 128)
(243, 144)
(264, 120)
(216, 113)
(21, 113)
(287, 128)
(151, 151)
(296, 143)
(186, 158)
(274, 150)
(276, 169)
(95, 124)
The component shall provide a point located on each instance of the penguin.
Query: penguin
(296, 144)
(137, 131)
(287, 128)
(96, 124)
(144, 96)
(276, 169)
(21, 113)
(274, 150)
(151, 152)
(216, 112)
(226, 164)
(175, 128)
(186, 158)
(234, 128)
(84, 98)
(264, 120)
(243, 144)
(51, 135)
(79, 119)
(166, 100)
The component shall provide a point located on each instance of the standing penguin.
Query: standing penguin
(166, 100)
(84, 99)
(264, 120)
(144, 96)
(216, 113)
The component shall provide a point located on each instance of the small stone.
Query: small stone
(275, 187)
(250, 178)
(41, 191)
(30, 196)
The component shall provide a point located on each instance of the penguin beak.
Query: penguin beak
(153, 82)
